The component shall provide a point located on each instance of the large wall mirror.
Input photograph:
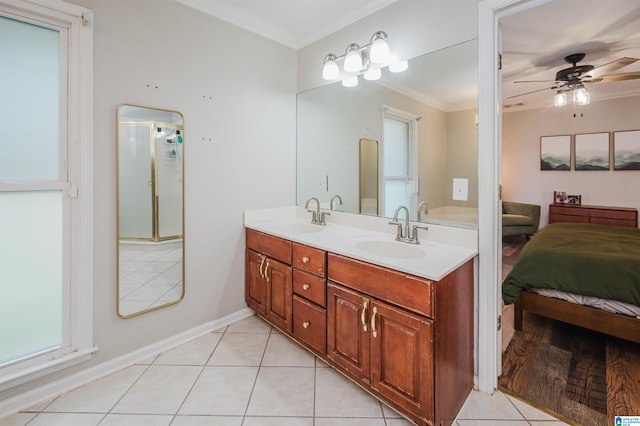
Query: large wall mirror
(424, 125)
(150, 174)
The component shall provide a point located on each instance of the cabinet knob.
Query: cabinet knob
(305, 324)
(305, 259)
(306, 286)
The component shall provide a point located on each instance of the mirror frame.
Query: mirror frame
(180, 127)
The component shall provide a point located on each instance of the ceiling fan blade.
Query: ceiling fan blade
(533, 91)
(611, 66)
(615, 77)
(536, 81)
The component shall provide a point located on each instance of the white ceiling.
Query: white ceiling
(536, 41)
(294, 23)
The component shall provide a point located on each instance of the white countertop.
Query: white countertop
(373, 242)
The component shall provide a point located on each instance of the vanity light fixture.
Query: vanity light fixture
(368, 59)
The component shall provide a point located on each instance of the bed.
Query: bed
(566, 267)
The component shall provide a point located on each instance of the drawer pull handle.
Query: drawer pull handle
(373, 322)
(306, 324)
(266, 274)
(363, 316)
(261, 265)
(305, 259)
(306, 286)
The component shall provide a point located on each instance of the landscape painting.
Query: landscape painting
(627, 150)
(555, 152)
(592, 151)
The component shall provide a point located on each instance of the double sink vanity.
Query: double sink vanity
(395, 318)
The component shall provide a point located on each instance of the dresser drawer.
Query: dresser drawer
(310, 324)
(310, 259)
(310, 287)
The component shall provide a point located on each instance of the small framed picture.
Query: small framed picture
(555, 152)
(560, 197)
(626, 147)
(574, 199)
(592, 151)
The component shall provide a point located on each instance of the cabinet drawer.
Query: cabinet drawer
(269, 245)
(401, 289)
(310, 259)
(310, 324)
(310, 287)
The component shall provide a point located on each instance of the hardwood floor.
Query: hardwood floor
(583, 377)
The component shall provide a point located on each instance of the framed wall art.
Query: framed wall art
(626, 148)
(592, 151)
(555, 152)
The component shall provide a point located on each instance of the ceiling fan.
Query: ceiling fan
(574, 77)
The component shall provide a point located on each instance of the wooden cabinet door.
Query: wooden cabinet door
(347, 331)
(402, 359)
(279, 288)
(255, 289)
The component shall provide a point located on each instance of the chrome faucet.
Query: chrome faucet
(318, 217)
(406, 233)
(422, 206)
(333, 198)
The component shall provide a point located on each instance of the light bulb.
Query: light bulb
(581, 96)
(399, 66)
(350, 82)
(560, 99)
(330, 70)
(373, 74)
(379, 52)
(353, 59)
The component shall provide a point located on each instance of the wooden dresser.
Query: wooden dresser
(603, 215)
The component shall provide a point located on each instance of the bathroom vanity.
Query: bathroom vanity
(404, 334)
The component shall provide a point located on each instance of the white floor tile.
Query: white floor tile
(136, 420)
(66, 419)
(399, 422)
(283, 352)
(547, 423)
(195, 352)
(490, 407)
(283, 391)
(338, 397)
(207, 421)
(279, 421)
(99, 396)
(19, 419)
(160, 390)
(328, 421)
(252, 324)
(529, 412)
(240, 349)
(221, 391)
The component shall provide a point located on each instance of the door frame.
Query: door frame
(489, 165)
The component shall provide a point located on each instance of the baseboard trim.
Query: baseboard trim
(51, 390)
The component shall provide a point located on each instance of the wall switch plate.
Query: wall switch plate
(460, 189)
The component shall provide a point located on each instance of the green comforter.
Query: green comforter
(586, 259)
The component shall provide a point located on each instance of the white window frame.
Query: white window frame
(77, 345)
(412, 122)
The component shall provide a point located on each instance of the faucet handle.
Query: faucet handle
(322, 217)
(400, 233)
(414, 232)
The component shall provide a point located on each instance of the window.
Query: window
(45, 189)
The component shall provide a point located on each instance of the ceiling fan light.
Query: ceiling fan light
(581, 96)
(353, 59)
(399, 66)
(379, 52)
(373, 74)
(350, 82)
(330, 70)
(560, 100)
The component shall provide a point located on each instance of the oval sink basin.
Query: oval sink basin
(394, 249)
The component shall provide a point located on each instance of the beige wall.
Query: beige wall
(522, 178)
(237, 93)
(462, 154)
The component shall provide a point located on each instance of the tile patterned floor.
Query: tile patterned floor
(247, 374)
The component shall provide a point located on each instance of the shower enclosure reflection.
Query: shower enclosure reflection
(150, 209)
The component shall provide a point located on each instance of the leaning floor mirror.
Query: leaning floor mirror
(150, 203)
